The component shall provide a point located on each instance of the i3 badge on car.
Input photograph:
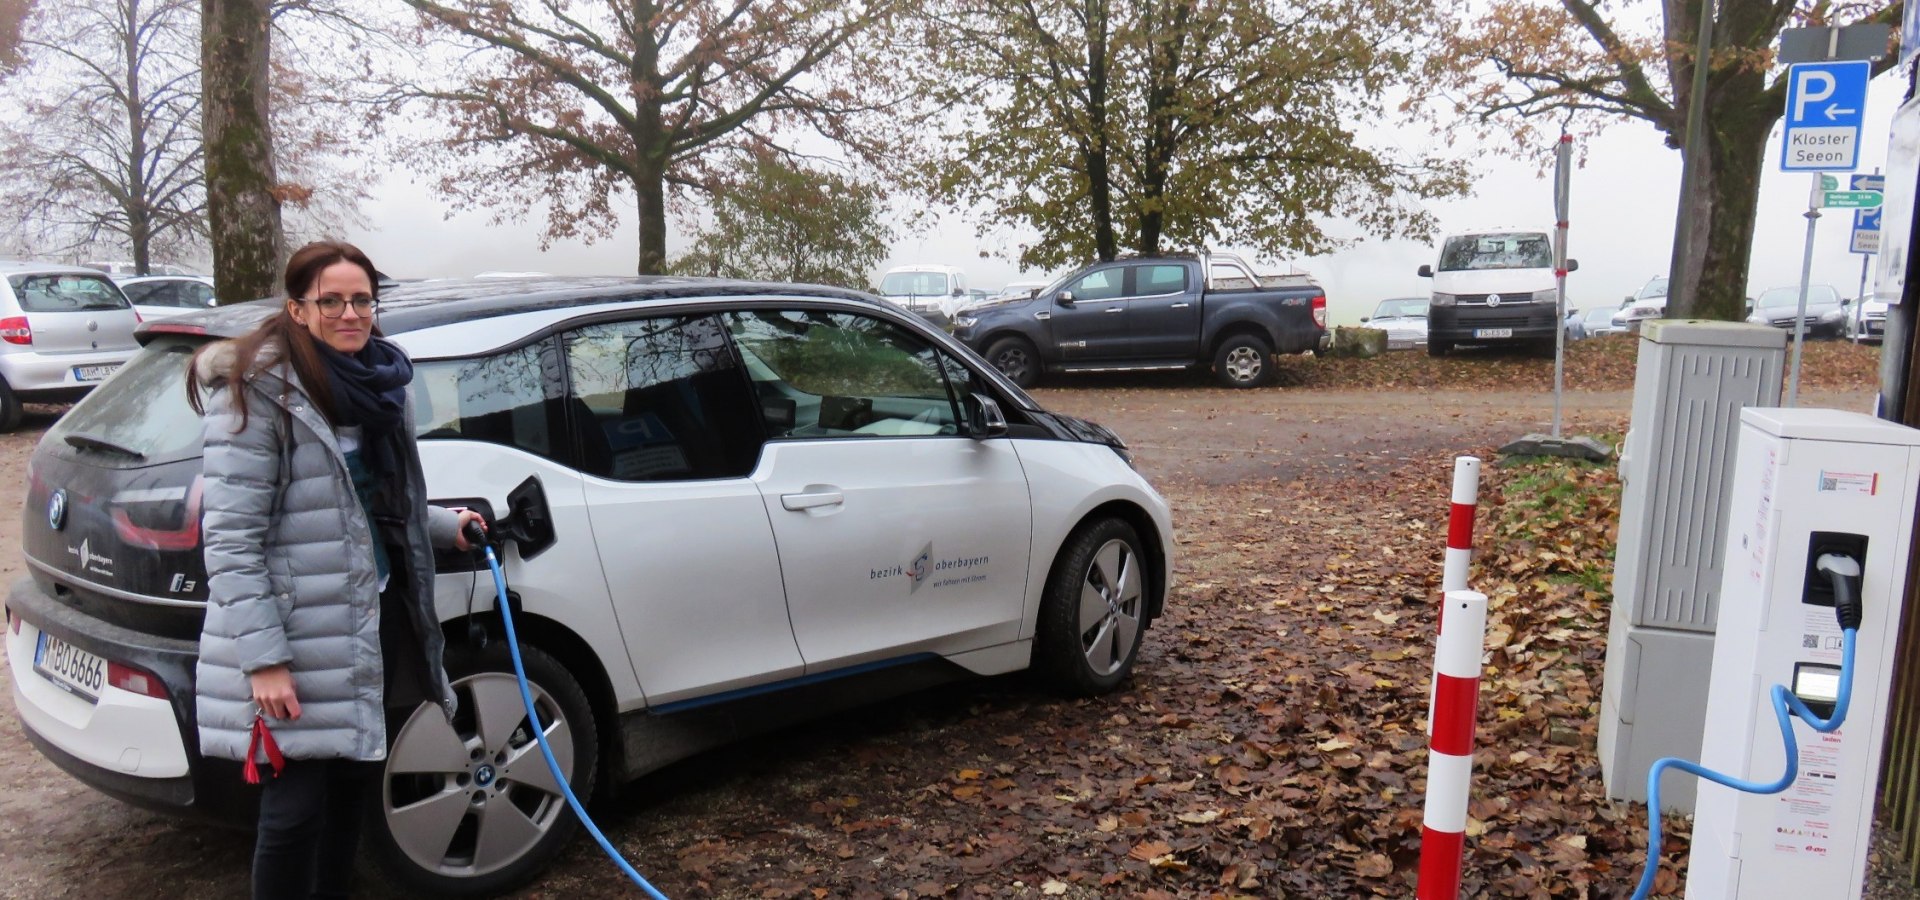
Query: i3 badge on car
(57, 509)
(1493, 299)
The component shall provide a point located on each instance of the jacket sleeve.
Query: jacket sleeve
(241, 479)
(442, 526)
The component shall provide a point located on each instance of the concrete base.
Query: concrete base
(1546, 445)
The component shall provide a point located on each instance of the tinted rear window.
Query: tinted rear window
(66, 293)
(143, 408)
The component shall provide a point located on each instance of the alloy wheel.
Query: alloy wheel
(1110, 607)
(1244, 363)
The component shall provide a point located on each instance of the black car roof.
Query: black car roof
(412, 306)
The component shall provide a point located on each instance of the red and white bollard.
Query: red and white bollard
(1456, 683)
(1453, 574)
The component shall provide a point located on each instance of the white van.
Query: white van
(1493, 286)
(932, 291)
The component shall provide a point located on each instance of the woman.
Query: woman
(319, 570)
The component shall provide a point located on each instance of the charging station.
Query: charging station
(1807, 483)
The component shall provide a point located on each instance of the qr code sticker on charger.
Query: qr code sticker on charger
(1810, 641)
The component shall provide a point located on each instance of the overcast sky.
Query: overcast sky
(1623, 203)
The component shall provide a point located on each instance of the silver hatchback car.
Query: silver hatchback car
(63, 330)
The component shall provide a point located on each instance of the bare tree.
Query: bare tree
(104, 150)
(572, 103)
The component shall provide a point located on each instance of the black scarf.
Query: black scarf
(370, 391)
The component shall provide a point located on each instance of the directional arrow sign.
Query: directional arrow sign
(1823, 118)
(1850, 199)
(1865, 183)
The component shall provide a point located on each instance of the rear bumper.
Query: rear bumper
(49, 377)
(139, 749)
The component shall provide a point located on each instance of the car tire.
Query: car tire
(11, 409)
(1437, 348)
(1016, 358)
(1244, 361)
(1093, 614)
(443, 787)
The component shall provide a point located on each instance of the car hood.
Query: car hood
(1493, 281)
(1401, 321)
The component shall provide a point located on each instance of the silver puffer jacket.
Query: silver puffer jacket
(290, 571)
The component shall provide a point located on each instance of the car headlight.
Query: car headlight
(1832, 315)
(1644, 312)
(1758, 319)
(1550, 295)
(965, 321)
(1443, 300)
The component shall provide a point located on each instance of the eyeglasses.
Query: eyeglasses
(333, 307)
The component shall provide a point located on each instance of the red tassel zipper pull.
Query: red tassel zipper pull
(261, 739)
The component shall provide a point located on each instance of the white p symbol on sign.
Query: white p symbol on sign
(1806, 93)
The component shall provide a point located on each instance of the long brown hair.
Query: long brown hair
(289, 339)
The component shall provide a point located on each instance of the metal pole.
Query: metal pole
(1857, 314)
(1562, 174)
(1692, 157)
(1806, 274)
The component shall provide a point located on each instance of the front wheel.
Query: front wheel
(470, 808)
(1016, 359)
(11, 411)
(1437, 348)
(1244, 361)
(1093, 614)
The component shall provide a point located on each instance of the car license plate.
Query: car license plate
(70, 668)
(1492, 332)
(92, 373)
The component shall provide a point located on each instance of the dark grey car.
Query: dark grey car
(1825, 317)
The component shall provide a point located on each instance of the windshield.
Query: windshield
(66, 293)
(1405, 306)
(1600, 316)
(1654, 288)
(1514, 250)
(914, 283)
(1817, 294)
(144, 406)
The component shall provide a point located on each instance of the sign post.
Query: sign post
(1866, 242)
(1826, 105)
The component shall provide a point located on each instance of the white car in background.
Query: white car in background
(1866, 320)
(63, 330)
(931, 291)
(160, 296)
(1404, 319)
(1649, 303)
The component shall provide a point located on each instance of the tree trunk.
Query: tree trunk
(1099, 179)
(139, 214)
(243, 213)
(650, 186)
(1721, 210)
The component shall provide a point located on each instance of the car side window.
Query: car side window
(1154, 280)
(504, 398)
(822, 374)
(1105, 284)
(194, 295)
(149, 293)
(660, 399)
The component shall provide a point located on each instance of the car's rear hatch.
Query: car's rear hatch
(73, 313)
(112, 518)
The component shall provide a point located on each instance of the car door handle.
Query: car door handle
(1115, 309)
(812, 499)
(1181, 305)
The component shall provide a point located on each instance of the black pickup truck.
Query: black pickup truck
(1161, 312)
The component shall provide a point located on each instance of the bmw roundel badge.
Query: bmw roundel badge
(57, 509)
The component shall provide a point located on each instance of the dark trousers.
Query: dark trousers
(310, 828)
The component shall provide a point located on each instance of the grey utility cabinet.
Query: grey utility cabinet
(1676, 466)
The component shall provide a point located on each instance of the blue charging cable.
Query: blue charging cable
(1847, 609)
(540, 733)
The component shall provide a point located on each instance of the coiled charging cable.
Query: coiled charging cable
(1841, 571)
(478, 538)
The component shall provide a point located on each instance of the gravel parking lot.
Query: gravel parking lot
(783, 815)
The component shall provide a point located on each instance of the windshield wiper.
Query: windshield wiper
(84, 441)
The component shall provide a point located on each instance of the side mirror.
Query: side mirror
(984, 418)
(1426, 271)
(959, 292)
(1846, 301)
(1064, 298)
(1365, 319)
(1573, 265)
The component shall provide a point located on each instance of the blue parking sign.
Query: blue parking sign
(1826, 105)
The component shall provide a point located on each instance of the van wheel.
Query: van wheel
(1437, 348)
(11, 409)
(1243, 361)
(469, 808)
(1015, 357)
(1093, 614)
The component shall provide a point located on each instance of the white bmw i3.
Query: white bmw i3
(726, 506)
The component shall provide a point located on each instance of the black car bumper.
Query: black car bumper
(1491, 325)
(211, 789)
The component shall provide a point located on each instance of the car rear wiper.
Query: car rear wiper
(84, 441)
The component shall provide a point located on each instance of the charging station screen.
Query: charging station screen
(1816, 684)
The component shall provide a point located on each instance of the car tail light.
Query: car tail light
(135, 681)
(1320, 310)
(164, 327)
(15, 330)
